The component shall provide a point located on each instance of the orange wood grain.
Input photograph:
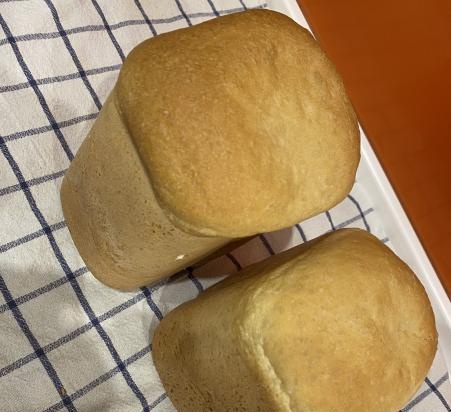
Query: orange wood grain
(395, 58)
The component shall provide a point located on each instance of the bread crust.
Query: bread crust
(220, 131)
(339, 324)
(242, 123)
(120, 231)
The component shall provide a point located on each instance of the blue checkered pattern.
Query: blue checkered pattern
(66, 341)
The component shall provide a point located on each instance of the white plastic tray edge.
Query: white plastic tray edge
(406, 243)
(396, 223)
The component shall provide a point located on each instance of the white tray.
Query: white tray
(397, 227)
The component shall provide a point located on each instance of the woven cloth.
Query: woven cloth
(66, 341)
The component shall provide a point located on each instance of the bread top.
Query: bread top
(338, 324)
(242, 124)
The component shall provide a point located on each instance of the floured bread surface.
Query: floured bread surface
(340, 324)
(242, 123)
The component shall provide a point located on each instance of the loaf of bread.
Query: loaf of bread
(339, 324)
(234, 127)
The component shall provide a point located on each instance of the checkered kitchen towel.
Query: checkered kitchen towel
(66, 341)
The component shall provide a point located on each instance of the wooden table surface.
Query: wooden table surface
(395, 58)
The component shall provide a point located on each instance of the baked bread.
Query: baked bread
(230, 128)
(339, 324)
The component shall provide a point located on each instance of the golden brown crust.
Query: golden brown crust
(120, 231)
(242, 123)
(338, 325)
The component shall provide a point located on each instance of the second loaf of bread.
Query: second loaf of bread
(339, 324)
